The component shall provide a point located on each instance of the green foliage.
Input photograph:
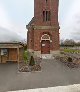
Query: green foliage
(25, 56)
(28, 55)
(69, 42)
(71, 50)
(69, 59)
(32, 62)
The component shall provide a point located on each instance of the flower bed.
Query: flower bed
(69, 60)
(26, 67)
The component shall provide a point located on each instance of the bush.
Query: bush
(69, 59)
(25, 56)
(32, 62)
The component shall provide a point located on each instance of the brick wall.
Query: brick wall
(42, 27)
(40, 6)
(54, 45)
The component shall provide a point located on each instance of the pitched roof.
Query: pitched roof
(30, 23)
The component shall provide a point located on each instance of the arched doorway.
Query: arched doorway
(45, 47)
(45, 44)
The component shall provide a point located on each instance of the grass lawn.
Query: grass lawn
(71, 50)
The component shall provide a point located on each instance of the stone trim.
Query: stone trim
(54, 52)
(34, 53)
(30, 50)
(38, 53)
(45, 27)
(45, 39)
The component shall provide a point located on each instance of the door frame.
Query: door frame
(47, 52)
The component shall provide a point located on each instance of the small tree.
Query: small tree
(32, 62)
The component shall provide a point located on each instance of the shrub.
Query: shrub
(69, 59)
(25, 56)
(32, 62)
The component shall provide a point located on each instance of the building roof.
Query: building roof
(11, 45)
(30, 23)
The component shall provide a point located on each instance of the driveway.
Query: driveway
(53, 73)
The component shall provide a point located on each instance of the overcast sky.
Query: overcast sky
(15, 14)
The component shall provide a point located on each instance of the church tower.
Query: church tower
(43, 29)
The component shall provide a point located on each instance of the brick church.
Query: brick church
(43, 29)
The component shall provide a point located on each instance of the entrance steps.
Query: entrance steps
(47, 56)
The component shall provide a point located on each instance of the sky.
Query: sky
(69, 19)
(16, 14)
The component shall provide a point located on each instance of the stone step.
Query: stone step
(46, 56)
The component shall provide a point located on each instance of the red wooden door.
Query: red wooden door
(45, 47)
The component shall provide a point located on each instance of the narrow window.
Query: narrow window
(4, 51)
(49, 15)
(46, 1)
(46, 15)
(43, 15)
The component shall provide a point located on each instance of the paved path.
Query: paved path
(70, 88)
(53, 74)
